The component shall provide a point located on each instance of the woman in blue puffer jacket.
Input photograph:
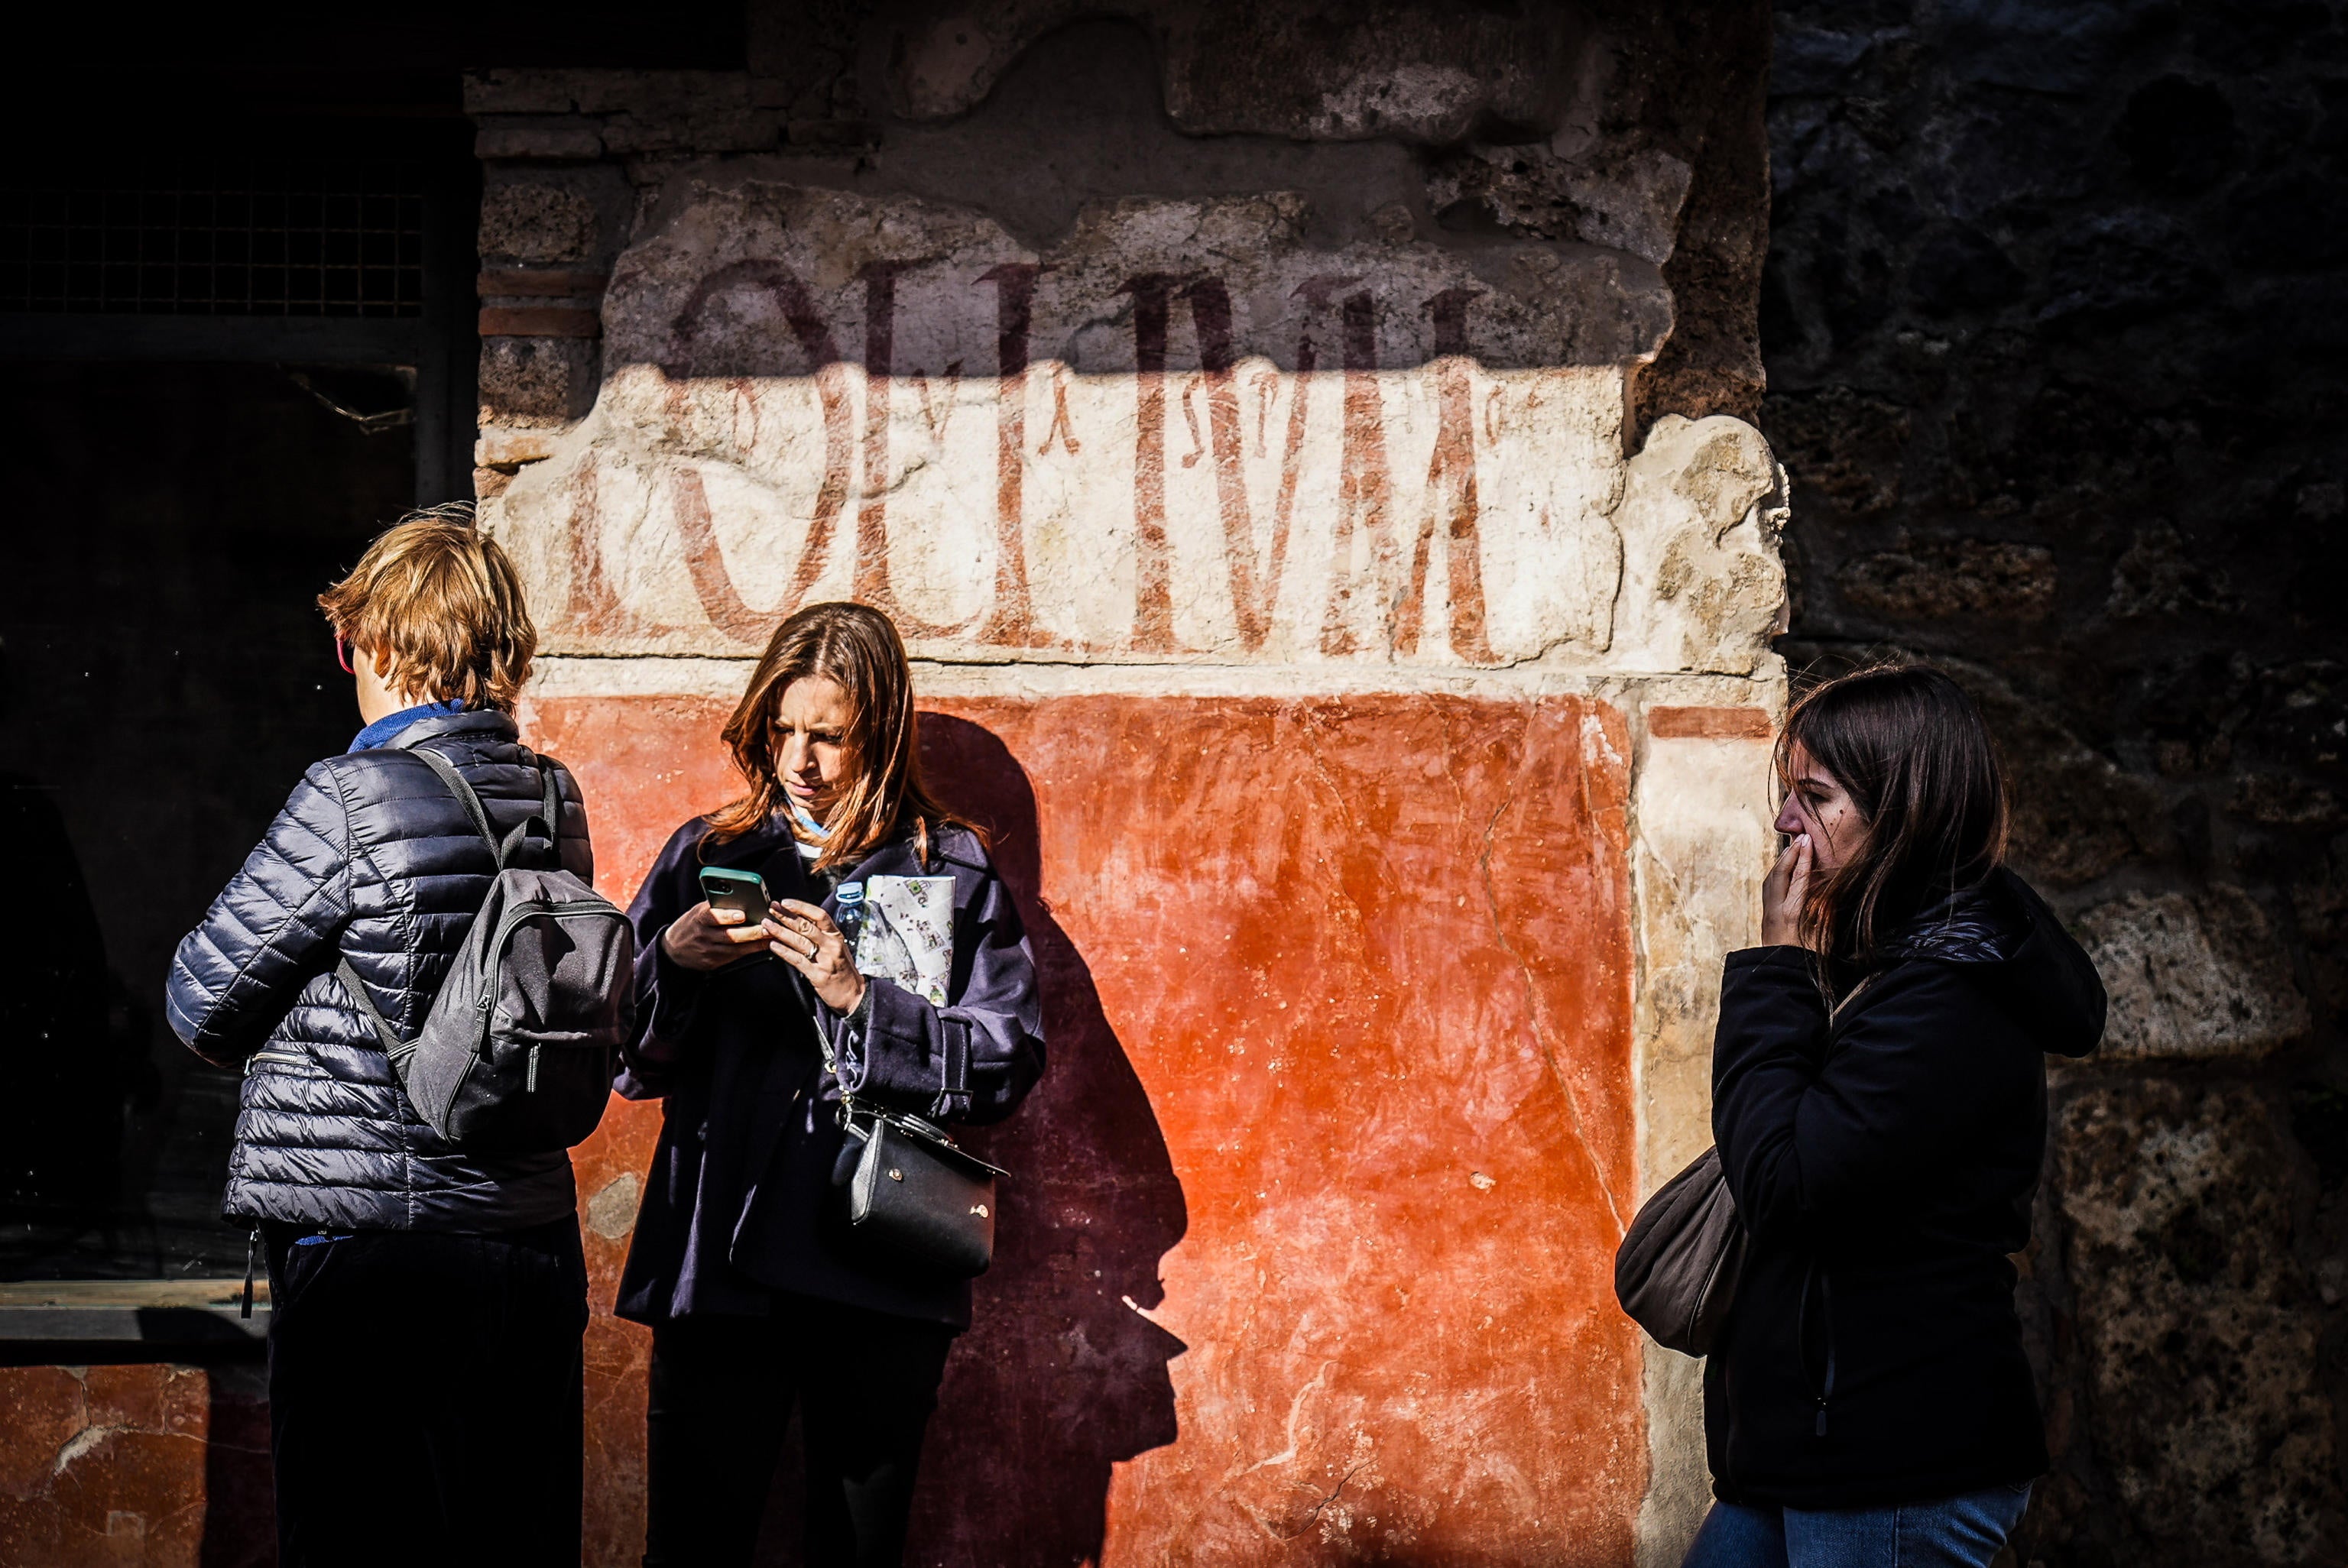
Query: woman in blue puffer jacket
(427, 1305)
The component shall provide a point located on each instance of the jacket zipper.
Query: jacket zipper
(251, 1267)
(1824, 1391)
(484, 1015)
(536, 909)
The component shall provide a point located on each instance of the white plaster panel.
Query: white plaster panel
(1183, 436)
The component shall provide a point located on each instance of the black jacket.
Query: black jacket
(739, 1202)
(373, 858)
(1883, 1164)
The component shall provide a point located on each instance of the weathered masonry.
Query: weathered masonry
(1352, 616)
(1364, 661)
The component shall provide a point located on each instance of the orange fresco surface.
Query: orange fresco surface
(1307, 1256)
(146, 1464)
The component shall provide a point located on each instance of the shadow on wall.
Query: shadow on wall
(240, 1493)
(1061, 1376)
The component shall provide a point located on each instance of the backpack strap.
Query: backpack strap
(464, 791)
(399, 1050)
(548, 811)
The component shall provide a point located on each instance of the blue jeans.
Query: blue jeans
(1951, 1533)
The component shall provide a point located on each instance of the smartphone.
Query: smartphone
(743, 891)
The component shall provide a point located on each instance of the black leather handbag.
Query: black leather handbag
(1675, 1273)
(914, 1200)
(917, 1200)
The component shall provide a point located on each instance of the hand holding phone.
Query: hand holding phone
(726, 927)
(736, 898)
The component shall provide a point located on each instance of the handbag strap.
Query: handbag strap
(911, 1126)
(954, 1071)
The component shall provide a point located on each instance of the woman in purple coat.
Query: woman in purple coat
(757, 1298)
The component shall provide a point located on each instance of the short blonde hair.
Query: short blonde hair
(443, 601)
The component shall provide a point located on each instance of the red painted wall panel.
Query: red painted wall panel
(1338, 1001)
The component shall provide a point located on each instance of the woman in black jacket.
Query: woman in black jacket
(750, 1035)
(428, 1302)
(1880, 1103)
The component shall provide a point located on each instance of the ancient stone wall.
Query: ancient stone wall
(1307, 449)
(2052, 327)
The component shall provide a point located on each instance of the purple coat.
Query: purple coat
(739, 1200)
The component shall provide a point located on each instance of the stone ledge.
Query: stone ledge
(563, 139)
(540, 321)
(132, 1311)
(531, 283)
(601, 91)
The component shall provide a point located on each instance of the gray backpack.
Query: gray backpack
(516, 1052)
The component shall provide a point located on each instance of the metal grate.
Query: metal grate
(233, 237)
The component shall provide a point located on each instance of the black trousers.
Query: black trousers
(723, 1390)
(425, 1396)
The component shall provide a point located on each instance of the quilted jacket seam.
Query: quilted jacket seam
(242, 977)
(404, 926)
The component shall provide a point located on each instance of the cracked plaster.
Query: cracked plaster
(1252, 491)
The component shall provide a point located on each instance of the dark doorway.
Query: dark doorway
(164, 678)
(238, 339)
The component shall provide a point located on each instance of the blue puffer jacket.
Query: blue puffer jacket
(375, 859)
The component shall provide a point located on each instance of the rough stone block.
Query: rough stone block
(2198, 1323)
(2160, 574)
(2078, 816)
(1407, 68)
(536, 378)
(523, 91)
(2192, 978)
(697, 129)
(1602, 193)
(1958, 577)
(505, 136)
(2281, 800)
(556, 91)
(2321, 906)
(536, 224)
(506, 446)
(1843, 448)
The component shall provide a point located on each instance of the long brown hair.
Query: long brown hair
(858, 648)
(1910, 749)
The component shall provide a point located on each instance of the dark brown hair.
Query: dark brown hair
(442, 602)
(858, 648)
(1910, 749)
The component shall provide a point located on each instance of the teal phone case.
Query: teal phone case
(726, 889)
